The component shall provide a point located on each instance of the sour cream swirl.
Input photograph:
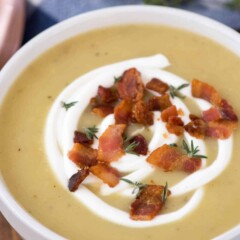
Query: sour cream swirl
(61, 125)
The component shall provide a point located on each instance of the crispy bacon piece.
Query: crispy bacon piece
(169, 112)
(227, 112)
(110, 143)
(130, 87)
(159, 103)
(106, 173)
(170, 158)
(148, 203)
(175, 125)
(80, 137)
(205, 91)
(142, 147)
(103, 110)
(212, 114)
(83, 156)
(141, 113)
(106, 95)
(77, 178)
(221, 129)
(157, 85)
(123, 112)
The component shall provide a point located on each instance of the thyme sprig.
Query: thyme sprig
(233, 5)
(165, 193)
(138, 186)
(131, 147)
(192, 150)
(68, 105)
(174, 91)
(117, 79)
(91, 132)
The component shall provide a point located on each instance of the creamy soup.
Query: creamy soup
(28, 168)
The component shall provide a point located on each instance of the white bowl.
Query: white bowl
(24, 223)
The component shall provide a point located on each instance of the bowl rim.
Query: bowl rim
(24, 223)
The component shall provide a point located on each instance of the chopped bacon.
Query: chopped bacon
(175, 125)
(80, 137)
(212, 114)
(227, 112)
(170, 111)
(110, 143)
(141, 113)
(94, 102)
(197, 127)
(159, 103)
(106, 95)
(221, 129)
(102, 110)
(157, 85)
(148, 203)
(130, 86)
(106, 173)
(205, 91)
(170, 158)
(83, 156)
(142, 146)
(77, 178)
(123, 112)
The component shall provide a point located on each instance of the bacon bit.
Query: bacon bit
(221, 129)
(227, 112)
(103, 111)
(142, 147)
(106, 95)
(130, 86)
(170, 158)
(141, 113)
(175, 125)
(159, 103)
(148, 203)
(106, 173)
(94, 102)
(157, 85)
(83, 156)
(123, 111)
(197, 127)
(77, 178)
(80, 137)
(171, 111)
(165, 135)
(180, 112)
(110, 143)
(212, 114)
(205, 91)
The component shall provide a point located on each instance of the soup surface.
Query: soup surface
(23, 160)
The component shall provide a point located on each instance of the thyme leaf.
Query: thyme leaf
(138, 186)
(165, 193)
(173, 145)
(192, 150)
(91, 132)
(174, 91)
(131, 147)
(117, 79)
(68, 105)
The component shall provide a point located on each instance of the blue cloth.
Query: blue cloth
(50, 12)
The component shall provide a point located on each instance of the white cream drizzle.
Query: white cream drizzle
(59, 134)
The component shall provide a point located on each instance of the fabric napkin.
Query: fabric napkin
(45, 13)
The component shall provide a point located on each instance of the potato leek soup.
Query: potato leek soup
(126, 131)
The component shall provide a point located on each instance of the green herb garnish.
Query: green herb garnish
(91, 132)
(192, 151)
(131, 147)
(173, 145)
(68, 105)
(166, 2)
(138, 186)
(174, 92)
(117, 79)
(165, 193)
(233, 5)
